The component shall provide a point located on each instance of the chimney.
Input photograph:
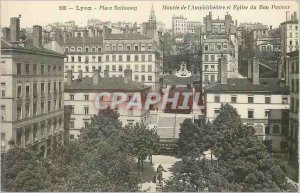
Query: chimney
(6, 33)
(96, 76)
(223, 70)
(85, 34)
(69, 77)
(104, 32)
(79, 74)
(65, 36)
(127, 76)
(255, 68)
(249, 68)
(14, 29)
(106, 73)
(37, 36)
(126, 31)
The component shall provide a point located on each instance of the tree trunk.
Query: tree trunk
(150, 159)
(142, 164)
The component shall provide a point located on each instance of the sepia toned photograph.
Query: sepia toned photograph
(149, 96)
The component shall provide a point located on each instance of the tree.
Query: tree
(139, 142)
(244, 156)
(243, 163)
(195, 175)
(193, 139)
(105, 125)
(93, 163)
(22, 170)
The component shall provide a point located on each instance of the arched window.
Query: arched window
(66, 49)
(99, 49)
(94, 49)
(86, 49)
(72, 49)
(79, 49)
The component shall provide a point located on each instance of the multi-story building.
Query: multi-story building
(192, 26)
(293, 66)
(135, 52)
(81, 94)
(263, 38)
(262, 103)
(31, 93)
(250, 26)
(218, 37)
(179, 25)
(83, 53)
(289, 42)
(88, 50)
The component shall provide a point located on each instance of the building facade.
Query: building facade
(179, 25)
(192, 26)
(289, 42)
(31, 93)
(80, 94)
(218, 37)
(262, 103)
(89, 50)
(293, 65)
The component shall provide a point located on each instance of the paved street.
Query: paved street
(166, 162)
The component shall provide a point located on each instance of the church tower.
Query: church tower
(152, 18)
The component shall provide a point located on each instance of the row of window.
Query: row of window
(284, 99)
(210, 68)
(35, 69)
(113, 47)
(111, 58)
(34, 89)
(291, 27)
(250, 113)
(86, 111)
(215, 47)
(39, 130)
(44, 107)
(210, 78)
(115, 68)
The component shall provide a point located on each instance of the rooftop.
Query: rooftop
(266, 85)
(108, 84)
(88, 40)
(174, 80)
(7, 46)
(290, 22)
(129, 36)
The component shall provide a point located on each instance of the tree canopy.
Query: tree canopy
(243, 162)
(95, 162)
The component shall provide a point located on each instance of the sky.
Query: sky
(45, 12)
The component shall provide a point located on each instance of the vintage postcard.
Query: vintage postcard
(149, 96)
